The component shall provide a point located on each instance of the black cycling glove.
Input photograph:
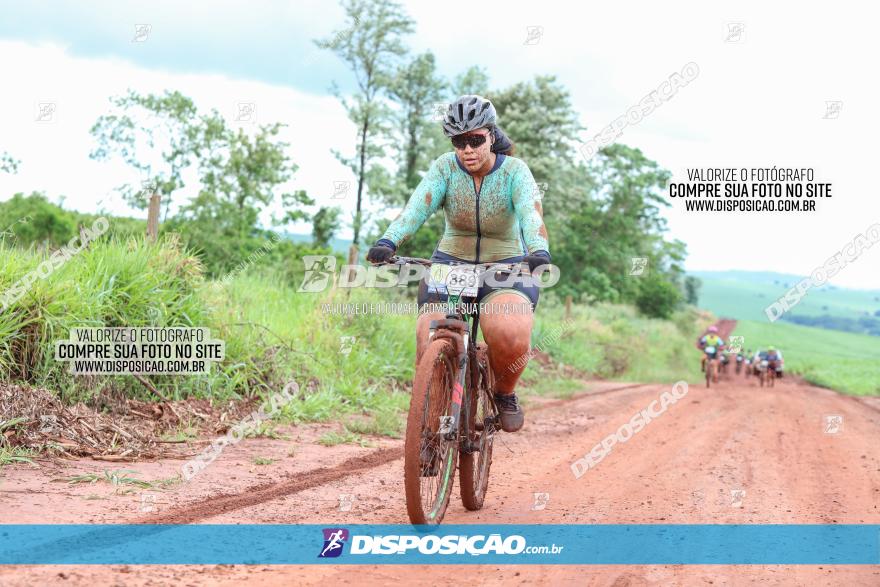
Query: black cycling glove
(537, 259)
(381, 252)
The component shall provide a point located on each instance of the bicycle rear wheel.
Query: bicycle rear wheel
(429, 458)
(474, 465)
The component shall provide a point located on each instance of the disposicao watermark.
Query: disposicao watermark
(548, 339)
(55, 261)
(629, 429)
(236, 433)
(634, 115)
(321, 273)
(820, 275)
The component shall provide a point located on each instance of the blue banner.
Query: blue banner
(634, 544)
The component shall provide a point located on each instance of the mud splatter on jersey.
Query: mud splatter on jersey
(481, 226)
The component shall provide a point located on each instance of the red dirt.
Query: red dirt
(681, 468)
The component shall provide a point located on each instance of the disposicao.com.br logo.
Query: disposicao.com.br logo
(334, 540)
(321, 273)
(394, 544)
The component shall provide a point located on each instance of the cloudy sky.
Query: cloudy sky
(760, 99)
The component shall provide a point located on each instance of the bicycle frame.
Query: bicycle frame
(454, 327)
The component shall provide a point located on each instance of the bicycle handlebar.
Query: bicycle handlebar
(396, 260)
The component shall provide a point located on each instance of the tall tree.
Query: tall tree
(370, 45)
(325, 223)
(473, 80)
(692, 286)
(416, 89)
(414, 139)
(155, 134)
(615, 220)
(240, 174)
(539, 118)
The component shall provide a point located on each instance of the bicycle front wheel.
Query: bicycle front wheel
(429, 457)
(476, 460)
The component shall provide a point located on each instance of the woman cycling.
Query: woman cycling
(493, 214)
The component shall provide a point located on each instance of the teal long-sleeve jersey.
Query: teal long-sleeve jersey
(502, 219)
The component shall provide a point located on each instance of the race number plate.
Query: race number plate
(463, 280)
(710, 350)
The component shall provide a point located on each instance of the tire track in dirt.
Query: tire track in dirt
(681, 469)
(224, 503)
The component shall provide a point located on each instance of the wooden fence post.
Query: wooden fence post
(153, 218)
(352, 260)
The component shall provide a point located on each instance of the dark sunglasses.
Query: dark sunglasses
(461, 141)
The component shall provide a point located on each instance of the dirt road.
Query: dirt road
(732, 454)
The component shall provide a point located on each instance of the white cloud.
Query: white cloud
(755, 103)
(55, 155)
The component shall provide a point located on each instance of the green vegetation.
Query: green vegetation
(274, 334)
(109, 284)
(115, 478)
(744, 295)
(838, 360)
(217, 264)
(15, 454)
(614, 342)
(383, 423)
(333, 438)
(34, 221)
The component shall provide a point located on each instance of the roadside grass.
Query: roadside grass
(111, 283)
(351, 368)
(16, 454)
(266, 430)
(556, 386)
(383, 423)
(613, 342)
(116, 478)
(334, 437)
(369, 378)
(843, 361)
(121, 479)
(182, 434)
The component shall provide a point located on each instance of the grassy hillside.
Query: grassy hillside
(744, 295)
(838, 360)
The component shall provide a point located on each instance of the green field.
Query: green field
(838, 360)
(744, 295)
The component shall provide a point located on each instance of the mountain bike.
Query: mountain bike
(768, 374)
(711, 365)
(452, 413)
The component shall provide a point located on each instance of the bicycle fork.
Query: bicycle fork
(454, 330)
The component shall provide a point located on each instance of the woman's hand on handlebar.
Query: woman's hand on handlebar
(380, 254)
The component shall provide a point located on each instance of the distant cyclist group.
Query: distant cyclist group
(766, 365)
